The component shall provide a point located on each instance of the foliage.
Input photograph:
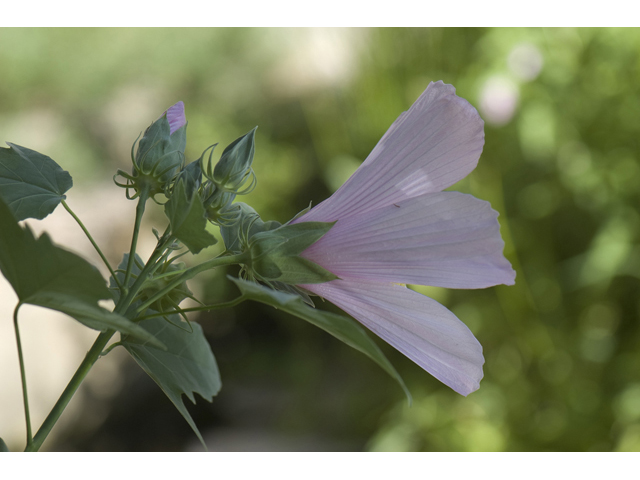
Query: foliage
(31, 183)
(187, 366)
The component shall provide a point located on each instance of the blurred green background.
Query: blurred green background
(560, 164)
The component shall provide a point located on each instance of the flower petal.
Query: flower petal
(436, 143)
(444, 239)
(176, 117)
(416, 325)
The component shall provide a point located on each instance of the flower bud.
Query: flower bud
(158, 282)
(160, 153)
(220, 210)
(218, 204)
(227, 179)
(236, 235)
(234, 167)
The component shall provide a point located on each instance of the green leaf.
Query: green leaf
(186, 367)
(188, 223)
(46, 275)
(343, 328)
(3, 446)
(31, 183)
(37, 268)
(192, 176)
(97, 318)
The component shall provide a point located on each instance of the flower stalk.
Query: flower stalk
(192, 272)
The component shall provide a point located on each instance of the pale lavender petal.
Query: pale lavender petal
(176, 117)
(416, 325)
(444, 239)
(436, 143)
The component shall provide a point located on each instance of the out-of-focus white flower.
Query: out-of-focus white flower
(498, 100)
(525, 61)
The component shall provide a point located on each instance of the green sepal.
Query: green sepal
(236, 236)
(300, 213)
(186, 367)
(211, 194)
(31, 184)
(235, 162)
(161, 153)
(46, 275)
(343, 328)
(218, 204)
(187, 217)
(275, 254)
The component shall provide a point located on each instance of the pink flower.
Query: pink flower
(395, 225)
(176, 117)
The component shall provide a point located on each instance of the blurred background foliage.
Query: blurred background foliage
(560, 164)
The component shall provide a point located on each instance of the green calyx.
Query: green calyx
(275, 254)
(236, 235)
(161, 278)
(159, 157)
(233, 170)
(159, 281)
(232, 175)
(275, 249)
(219, 205)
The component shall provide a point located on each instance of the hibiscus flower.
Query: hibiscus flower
(394, 225)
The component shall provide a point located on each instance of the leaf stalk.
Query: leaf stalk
(23, 375)
(95, 245)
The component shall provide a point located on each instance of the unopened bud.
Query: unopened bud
(160, 153)
(233, 170)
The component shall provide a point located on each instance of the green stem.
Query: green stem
(192, 272)
(229, 304)
(93, 242)
(95, 352)
(23, 375)
(142, 201)
(172, 273)
(151, 266)
(74, 383)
